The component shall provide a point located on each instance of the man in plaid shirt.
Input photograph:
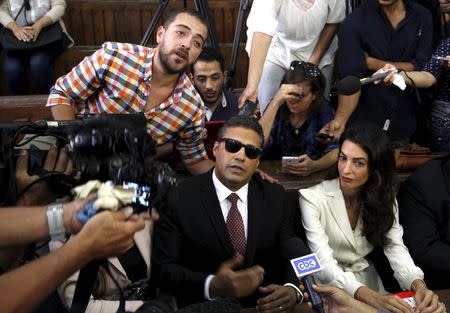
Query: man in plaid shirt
(126, 78)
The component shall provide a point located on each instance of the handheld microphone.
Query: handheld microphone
(350, 85)
(304, 266)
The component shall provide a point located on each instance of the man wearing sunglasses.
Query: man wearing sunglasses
(222, 233)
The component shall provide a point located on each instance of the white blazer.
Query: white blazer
(66, 290)
(341, 250)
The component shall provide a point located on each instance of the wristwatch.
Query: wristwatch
(298, 292)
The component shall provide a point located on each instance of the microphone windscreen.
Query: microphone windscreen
(348, 85)
(222, 305)
(293, 248)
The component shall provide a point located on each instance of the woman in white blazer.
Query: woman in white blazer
(345, 218)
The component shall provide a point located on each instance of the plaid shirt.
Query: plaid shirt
(117, 79)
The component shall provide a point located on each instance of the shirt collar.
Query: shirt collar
(149, 65)
(224, 100)
(209, 113)
(223, 192)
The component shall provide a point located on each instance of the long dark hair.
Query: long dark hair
(307, 72)
(378, 194)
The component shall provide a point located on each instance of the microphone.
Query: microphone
(304, 266)
(350, 85)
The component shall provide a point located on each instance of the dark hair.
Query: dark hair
(300, 71)
(244, 122)
(173, 15)
(209, 54)
(378, 195)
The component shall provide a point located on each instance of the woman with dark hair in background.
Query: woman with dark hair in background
(345, 218)
(293, 118)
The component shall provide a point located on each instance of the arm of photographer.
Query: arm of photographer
(106, 234)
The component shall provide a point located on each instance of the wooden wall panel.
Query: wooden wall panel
(96, 21)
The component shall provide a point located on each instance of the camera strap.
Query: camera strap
(85, 286)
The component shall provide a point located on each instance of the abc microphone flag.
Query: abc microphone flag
(306, 265)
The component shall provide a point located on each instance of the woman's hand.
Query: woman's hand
(388, 302)
(34, 30)
(304, 167)
(287, 92)
(21, 33)
(426, 300)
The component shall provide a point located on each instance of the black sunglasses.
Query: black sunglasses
(234, 146)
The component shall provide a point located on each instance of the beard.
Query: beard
(172, 67)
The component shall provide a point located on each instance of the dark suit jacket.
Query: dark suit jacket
(225, 113)
(191, 239)
(424, 207)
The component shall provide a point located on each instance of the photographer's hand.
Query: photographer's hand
(39, 193)
(109, 233)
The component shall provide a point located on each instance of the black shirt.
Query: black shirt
(368, 30)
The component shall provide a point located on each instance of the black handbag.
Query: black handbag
(47, 36)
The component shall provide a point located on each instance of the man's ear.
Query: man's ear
(160, 34)
(215, 148)
(191, 76)
(225, 75)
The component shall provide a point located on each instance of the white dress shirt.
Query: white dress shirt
(294, 31)
(225, 205)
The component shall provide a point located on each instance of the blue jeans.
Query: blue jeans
(39, 62)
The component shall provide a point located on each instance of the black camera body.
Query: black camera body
(110, 147)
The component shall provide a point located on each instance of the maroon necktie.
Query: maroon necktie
(235, 225)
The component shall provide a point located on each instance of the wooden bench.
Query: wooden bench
(24, 108)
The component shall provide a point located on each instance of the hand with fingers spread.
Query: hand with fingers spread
(231, 282)
(278, 299)
(426, 300)
(39, 193)
(265, 176)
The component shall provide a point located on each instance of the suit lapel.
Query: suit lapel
(338, 210)
(255, 205)
(211, 207)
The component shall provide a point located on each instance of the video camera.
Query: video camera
(106, 147)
